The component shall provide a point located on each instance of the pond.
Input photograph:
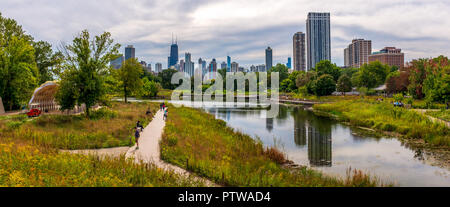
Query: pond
(332, 147)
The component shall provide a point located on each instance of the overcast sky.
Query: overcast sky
(243, 29)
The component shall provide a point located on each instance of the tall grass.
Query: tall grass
(107, 127)
(22, 164)
(384, 116)
(198, 142)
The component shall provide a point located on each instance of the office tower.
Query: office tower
(390, 56)
(268, 58)
(130, 52)
(173, 58)
(357, 53)
(188, 65)
(234, 67)
(299, 51)
(318, 38)
(144, 64)
(288, 64)
(261, 68)
(181, 68)
(241, 69)
(149, 67)
(228, 63)
(253, 68)
(223, 65)
(158, 67)
(117, 63)
(212, 68)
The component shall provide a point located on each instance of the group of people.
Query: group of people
(139, 128)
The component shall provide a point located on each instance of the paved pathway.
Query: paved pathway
(148, 151)
(423, 111)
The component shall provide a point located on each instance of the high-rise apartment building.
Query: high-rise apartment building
(318, 38)
(223, 65)
(234, 67)
(188, 65)
(357, 53)
(130, 52)
(261, 68)
(299, 46)
(390, 56)
(117, 63)
(158, 67)
(269, 58)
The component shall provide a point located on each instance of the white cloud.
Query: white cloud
(243, 29)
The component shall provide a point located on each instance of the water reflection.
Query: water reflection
(318, 135)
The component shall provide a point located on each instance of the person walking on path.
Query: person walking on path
(165, 114)
(137, 135)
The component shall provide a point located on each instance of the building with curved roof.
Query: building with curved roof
(44, 97)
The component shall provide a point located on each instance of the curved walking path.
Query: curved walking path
(149, 151)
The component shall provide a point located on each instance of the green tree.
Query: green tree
(86, 64)
(129, 76)
(326, 67)
(47, 61)
(371, 75)
(325, 85)
(18, 72)
(416, 78)
(166, 78)
(283, 71)
(436, 84)
(344, 84)
(150, 88)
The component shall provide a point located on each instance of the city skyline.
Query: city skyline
(419, 27)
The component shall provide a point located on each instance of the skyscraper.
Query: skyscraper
(234, 67)
(357, 53)
(158, 67)
(212, 68)
(299, 51)
(173, 58)
(289, 63)
(223, 65)
(228, 63)
(188, 65)
(318, 38)
(117, 63)
(268, 58)
(130, 52)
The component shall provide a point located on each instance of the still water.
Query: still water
(332, 147)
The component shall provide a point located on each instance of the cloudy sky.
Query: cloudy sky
(243, 29)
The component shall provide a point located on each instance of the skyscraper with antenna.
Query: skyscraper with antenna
(173, 58)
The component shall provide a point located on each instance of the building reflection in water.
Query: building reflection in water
(269, 124)
(308, 130)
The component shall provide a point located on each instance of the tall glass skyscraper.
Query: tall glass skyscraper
(173, 58)
(268, 58)
(130, 52)
(228, 63)
(318, 38)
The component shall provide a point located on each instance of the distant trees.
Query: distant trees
(86, 63)
(324, 85)
(371, 75)
(129, 76)
(150, 88)
(166, 78)
(19, 74)
(326, 67)
(344, 84)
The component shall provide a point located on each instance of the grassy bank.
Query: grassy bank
(107, 127)
(197, 141)
(383, 116)
(22, 164)
(442, 114)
